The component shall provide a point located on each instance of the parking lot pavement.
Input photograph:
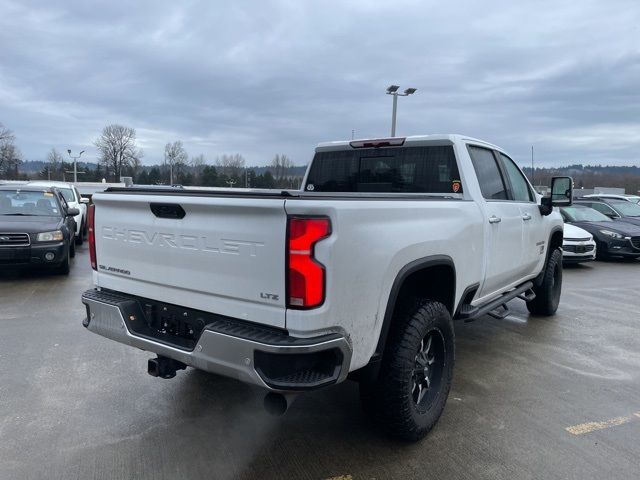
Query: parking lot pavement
(532, 398)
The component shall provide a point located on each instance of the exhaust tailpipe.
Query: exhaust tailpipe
(278, 403)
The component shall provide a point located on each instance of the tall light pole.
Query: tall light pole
(393, 90)
(532, 169)
(75, 165)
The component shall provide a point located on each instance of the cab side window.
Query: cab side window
(486, 166)
(520, 191)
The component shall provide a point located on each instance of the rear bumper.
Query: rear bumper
(233, 348)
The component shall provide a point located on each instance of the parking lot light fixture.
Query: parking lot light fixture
(393, 90)
(75, 164)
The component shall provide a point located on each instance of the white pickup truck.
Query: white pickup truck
(360, 273)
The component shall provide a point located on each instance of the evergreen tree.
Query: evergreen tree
(209, 176)
(154, 176)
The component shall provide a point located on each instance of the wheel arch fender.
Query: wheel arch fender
(410, 280)
(555, 240)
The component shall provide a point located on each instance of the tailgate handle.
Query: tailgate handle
(167, 210)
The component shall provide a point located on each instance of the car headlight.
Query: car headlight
(55, 236)
(611, 234)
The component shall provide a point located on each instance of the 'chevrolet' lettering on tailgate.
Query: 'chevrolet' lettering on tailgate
(185, 242)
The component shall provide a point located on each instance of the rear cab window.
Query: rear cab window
(407, 169)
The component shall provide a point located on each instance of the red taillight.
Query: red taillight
(306, 276)
(92, 236)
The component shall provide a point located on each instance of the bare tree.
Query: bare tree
(135, 165)
(281, 166)
(54, 164)
(10, 156)
(6, 135)
(117, 147)
(231, 165)
(198, 163)
(175, 156)
(10, 160)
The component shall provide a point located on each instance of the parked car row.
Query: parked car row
(596, 226)
(602, 226)
(37, 227)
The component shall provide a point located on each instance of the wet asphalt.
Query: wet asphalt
(532, 398)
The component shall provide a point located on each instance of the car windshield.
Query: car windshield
(68, 195)
(627, 209)
(583, 214)
(28, 203)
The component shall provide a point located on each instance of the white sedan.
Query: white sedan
(612, 196)
(74, 200)
(578, 245)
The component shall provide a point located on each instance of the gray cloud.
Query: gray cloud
(262, 77)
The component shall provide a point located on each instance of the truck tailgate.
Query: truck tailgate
(226, 255)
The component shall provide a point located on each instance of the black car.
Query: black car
(615, 209)
(613, 237)
(36, 227)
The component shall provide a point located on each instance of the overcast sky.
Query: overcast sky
(264, 77)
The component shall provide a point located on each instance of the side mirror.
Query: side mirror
(84, 200)
(72, 212)
(612, 215)
(561, 195)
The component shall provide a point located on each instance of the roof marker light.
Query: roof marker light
(378, 142)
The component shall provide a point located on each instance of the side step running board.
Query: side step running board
(524, 292)
(527, 296)
(499, 313)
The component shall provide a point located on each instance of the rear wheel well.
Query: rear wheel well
(434, 280)
(435, 283)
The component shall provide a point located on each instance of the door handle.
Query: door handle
(494, 219)
(526, 217)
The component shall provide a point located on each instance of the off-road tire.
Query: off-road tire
(390, 399)
(548, 292)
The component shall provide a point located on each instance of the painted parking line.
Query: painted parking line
(589, 427)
